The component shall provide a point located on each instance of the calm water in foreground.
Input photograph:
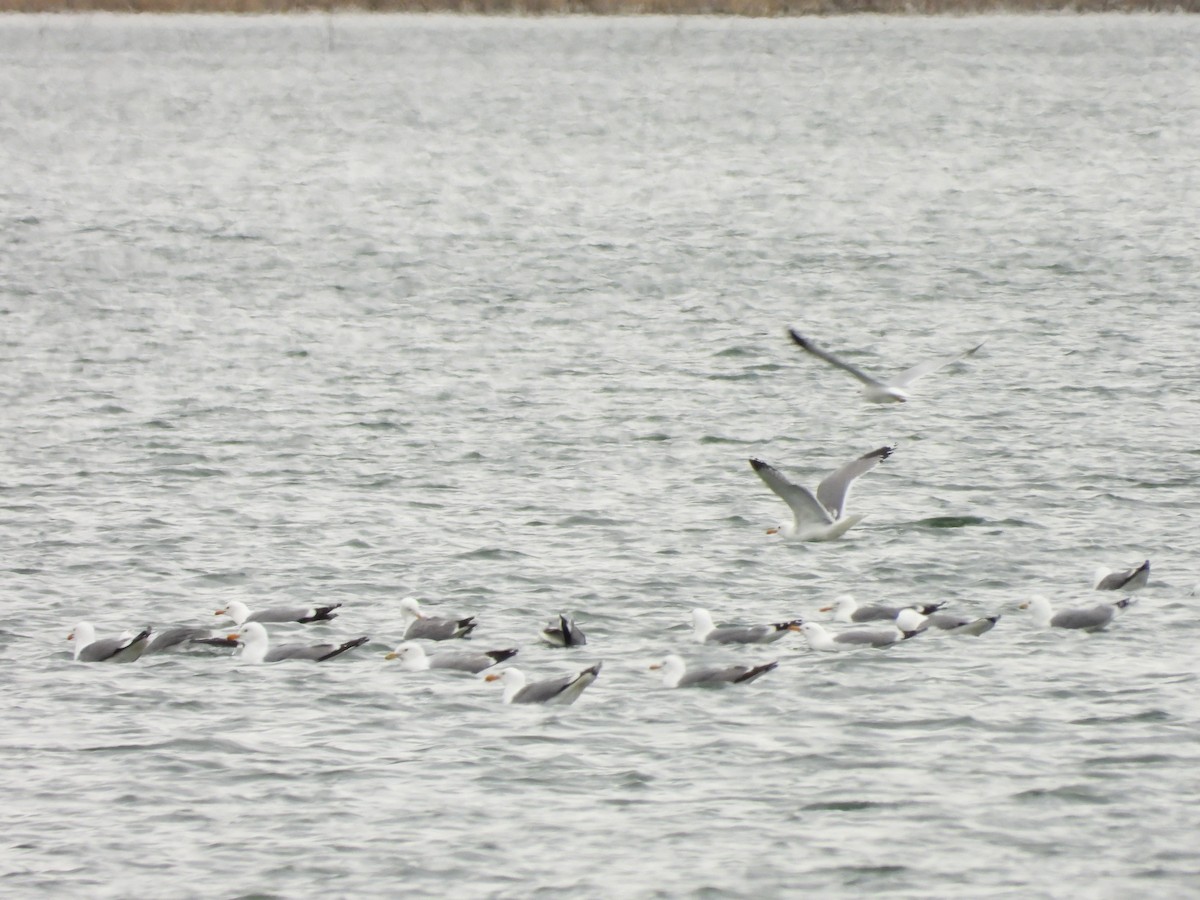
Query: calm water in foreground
(492, 312)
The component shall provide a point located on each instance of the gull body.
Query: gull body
(820, 516)
(431, 628)
(706, 632)
(853, 639)
(123, 648)
(413, 658)
(563, 633)
(187, 636)
(912, 620)
(1128, 580)
(562, 691)
(677, 674)
(875, 390)
(241, 614)
(847, 610)
(1086, 618)
(256, 647)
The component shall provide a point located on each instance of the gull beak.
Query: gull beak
(233, 637)
(391, 655)
(656, 666)
(492, 677)
(1024, 605)
(219, 612)
(772, 531)
(826, 609)
(71, 636)
(794, 627)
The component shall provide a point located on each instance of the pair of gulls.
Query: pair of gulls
(821, 516)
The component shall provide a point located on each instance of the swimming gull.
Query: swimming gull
(847, 610)
(413, 658)
(187, 636)
(1128, 580)
(819, 517)
(707, 633)
(1088, 618)
(562, 691)
(873, 389)
(912, 620)
(853, 639)
(563, 633)
(431, 628)
(257, 647)
(240, 613)
(677, 674)
(124, 648)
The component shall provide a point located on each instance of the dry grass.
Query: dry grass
(759, 8)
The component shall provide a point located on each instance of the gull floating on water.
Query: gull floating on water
(240, 613)
(873, 389)
(1128, 580)
(562, 691)
(847, 610)
(124, 648)
(677, 674)
(187, 635)
(256, 647)
(819, 517)
(432, 628)
(413, 658)
(1089, 618)
(853, 639)
(563, 633)
(707, 633)
(911, 620)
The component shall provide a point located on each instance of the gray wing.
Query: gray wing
(867, 637)
(280, 614)
(804, 506)
(434, 629)
(874, 613)
(299, 651)
(102, 649)
(461, 661)
(1096, 617)
(713, 675)
(805, 344)
(1130, 579)
(173, 637)
(833, 490)
(562, 690)
(908, 376)
(741, 634)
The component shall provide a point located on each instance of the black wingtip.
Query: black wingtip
(758, 465)
(1127, 602)
(595, 670)
(883, 452)
(911, 634)
(501, 655)
(800, 339)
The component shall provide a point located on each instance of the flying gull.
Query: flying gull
(563, 633)
(707, 633)
(677, 674)
(241, 614)
(819, 517)
(431, 628)
(413, 658)
(847, 610)
(873, 389)
(1128, 580)
(1087, 618)
(562, 691)
(257, 647)
(853, 639)
(912, 620)
(124, 648)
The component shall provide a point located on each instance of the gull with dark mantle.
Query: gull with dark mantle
(413, 658)
(847, 610)
(1086, 618)
(873, 389)
(1127, 580)
(256, 647)
(676, 673)
(562, 691)
(706, 632)
(821, 516)
(431, 628)
(124, 648)
(563, 633)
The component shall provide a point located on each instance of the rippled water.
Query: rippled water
(492, 311)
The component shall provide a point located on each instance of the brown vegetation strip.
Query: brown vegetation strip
(611, 7)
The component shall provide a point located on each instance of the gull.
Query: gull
(873, 389)
(187, 635)
(240, 613)
(413, 658)
(124, 648)
(257, 649)
(706, 632)
(563, 633)
(820, 639)
(849, 612)
(912, 620)
(1128, 580)
(1089, 618)
(819, 517)
(676, 673)
(420, 625)
(562, 691)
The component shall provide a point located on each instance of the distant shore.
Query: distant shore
(750, 8)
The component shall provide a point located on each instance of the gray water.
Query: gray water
(342, 308)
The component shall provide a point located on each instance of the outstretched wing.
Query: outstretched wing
(835, 488)
(908, 376)
(805, 344)
(804, 506)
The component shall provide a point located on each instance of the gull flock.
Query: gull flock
(819, 515)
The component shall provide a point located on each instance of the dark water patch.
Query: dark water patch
(1150, 715)
(491, 553)
(654, 437)
(378, 425)
(1071, 793)
(719, 439)
(191, 471)
(1146, 759)
(951, 522)
(850, 805)
(591, 520)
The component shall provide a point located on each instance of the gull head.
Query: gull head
(672, 667)
(410, 609)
